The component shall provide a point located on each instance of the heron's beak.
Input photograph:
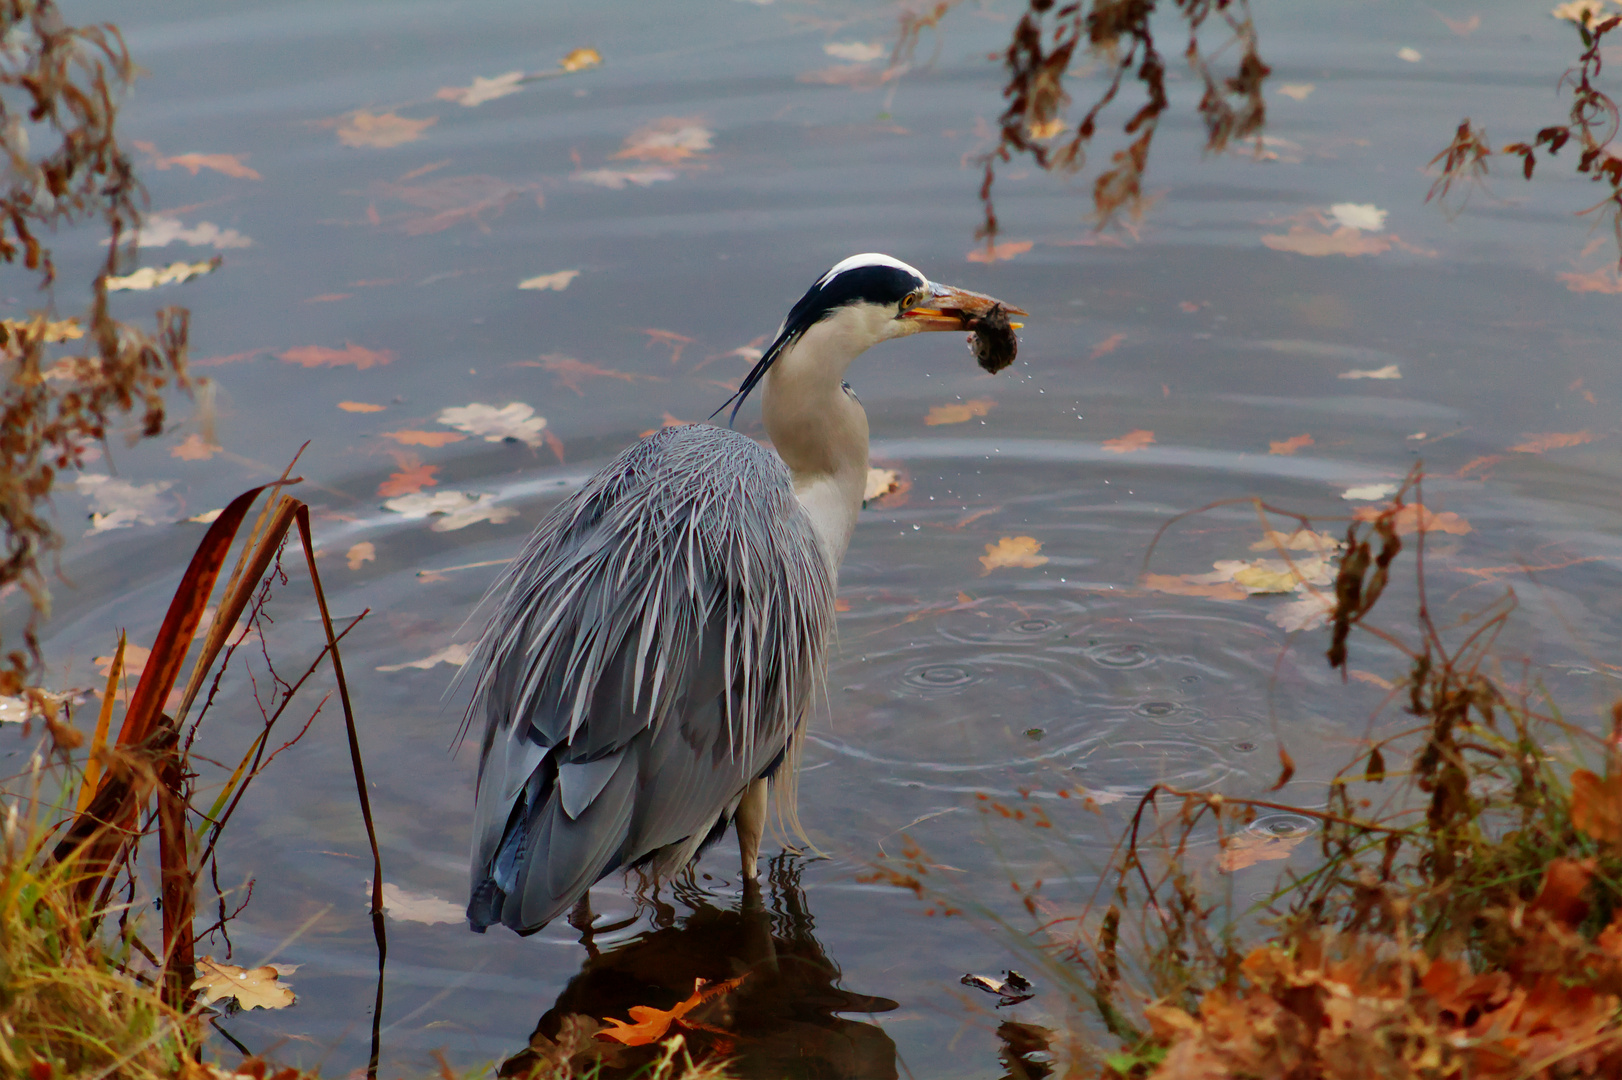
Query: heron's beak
(950, 308)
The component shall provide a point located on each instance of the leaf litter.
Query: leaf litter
(516, 421)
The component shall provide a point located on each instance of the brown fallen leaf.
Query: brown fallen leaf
(1289, 446)
(1248, 848)
(667, 140)
(1008, 249)
(1108, 345)
(194, 449)
(379, 130)
(1596, 806)
(449, 201)
(650, 1025)
(360, 406)
(1413, 517)
(1478, 464)
(423, 438)
(351, 355)
(1182, 585)
(1300, 540)
(411, 478)
(361, 553)
(960, 413)
(1012, 551)
(1132, 440)
(1552, 440)
(229, 164)
(259, 988)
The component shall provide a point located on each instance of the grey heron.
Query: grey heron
(655, 650)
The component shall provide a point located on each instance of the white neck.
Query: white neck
(820, 430)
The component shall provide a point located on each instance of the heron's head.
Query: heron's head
(862, 301)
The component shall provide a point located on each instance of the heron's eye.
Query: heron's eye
(912, 300)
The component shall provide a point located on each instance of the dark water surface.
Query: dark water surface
(949, 682)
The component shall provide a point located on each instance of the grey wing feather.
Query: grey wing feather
(655, 649)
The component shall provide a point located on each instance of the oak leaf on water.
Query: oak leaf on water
(380, 130)
(1132, 440)
(1020, 551)
(258, 988)
(649, 1025)
(959, 413)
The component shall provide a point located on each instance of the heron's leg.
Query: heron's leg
(581, 919)
(751, 822)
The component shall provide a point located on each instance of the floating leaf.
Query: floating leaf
(452, 510)
(195, 448)
(1298, 91)
(1008, 249)
(118, 504)
(1020, 551)
(1186, 585)
(960, 413)
(360, 406)
(880, 482)
(157, 231)
(1304, 240)
(1581, 12)
(412, 477)
(150, 277)
(571, 372)
(49, 330)
(1414, 517)
(1249, 848)
(207, 517)
(515, 421)
(1369, 492)
(667, 140)
(616, 179)
(380, 130)
(418, 907)
(1132, 440)
(1390, 371)
(449, 201)
(1363, 216)
(1289, 446)
(1552, 440)
(857, 52)
(424, 438)
(259, 988)
(482, 89)
(1604, 280)
(1011, 989)
(229, 164)
(1107, 346)
(13, 710)
(1307, 613)
(360, 554)
(1269, 575)
(1300, 540)
(456, 655)
(557, 282)
(580, 60)
(1412, 56)
(650, 1025)
(351, 355)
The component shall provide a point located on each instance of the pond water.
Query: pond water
(679, 197)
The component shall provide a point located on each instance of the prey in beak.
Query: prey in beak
(950, 308)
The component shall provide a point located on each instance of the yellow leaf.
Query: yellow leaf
(1300, 540)
(51, 331)
(1012, 551)
(957, 414)
(150, 277)
(651, 1025)
(363, 552)
(360, 406)
(580, 60)
(1187, 585)
(255, 989)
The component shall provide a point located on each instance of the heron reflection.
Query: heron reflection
(787, 1018)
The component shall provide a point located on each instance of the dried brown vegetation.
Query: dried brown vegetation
(59, 399)
(1463, 917)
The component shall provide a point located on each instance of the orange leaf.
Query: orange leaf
(313, 356)
(1564, 882)
(1248, 849)
(360, 406)
(957, 414)
(229, 164)
(421, 438)
(1345, 240)
(1005, 250)
(1179, 585)
(1012, 551)
(571, 372)
(1596, 806)
(651, 1024)
(1481, 464)
(1552, 440)
(1108, 345)
(676, 342)
(1290, 445)
(1414, 517)
(411, 479)
(1132, 440)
